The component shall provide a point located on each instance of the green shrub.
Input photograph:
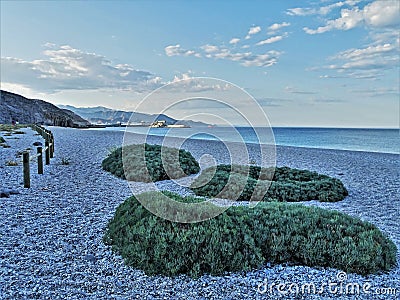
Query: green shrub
(267, 184)
(149, 163)
(244, 238)
(10, 128)
(2, 140)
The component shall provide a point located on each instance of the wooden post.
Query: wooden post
(51, 146)
(40, 160)
(52, 142)
(27, 175)
(47, 152)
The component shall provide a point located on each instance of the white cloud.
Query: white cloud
(270, 40)
(376, 14)
(173, 50)
(368, 52)
(369, 58)
(234, 41)
(187, 83)
(381, 19)
(277, 26)
(247, 59)
(382, 13)
(349, 19)
(323, 10)
(65, 68)
(377, 92)
(292, 90)
(209, 48)
(253, 30)
(261, 60)
(176, 50)
(369, 62)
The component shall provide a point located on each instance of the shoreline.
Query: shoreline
(52, 232)
(276, 144)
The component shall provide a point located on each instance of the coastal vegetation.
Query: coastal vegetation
(243, 238)
(254, 183)
(11, 128)
(147, 163)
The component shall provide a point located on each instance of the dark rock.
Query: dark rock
(37, 144)
(4, 194)
(12, 191)
(91, 258)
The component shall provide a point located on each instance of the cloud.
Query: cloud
(292, 90)
(187, 83)
(270, 40)
(366, 53)
(253, 30)
(176, 50)
(234, 41)
(209, 48)
(272, 102)
(355, 75)
(323, 10)
(382, 20)
(277, 26)
(373, 58)
(247, 59)
(377, 14)
(327, 100)
(65, 68)
(377, 92)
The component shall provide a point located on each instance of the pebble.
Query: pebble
(51, 234)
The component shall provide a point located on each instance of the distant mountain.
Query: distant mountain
(103, 115)
(27, 111)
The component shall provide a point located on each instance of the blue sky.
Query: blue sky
(307, 63)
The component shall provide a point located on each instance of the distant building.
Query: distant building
(159, 124)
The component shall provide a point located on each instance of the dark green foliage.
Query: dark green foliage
(10, 128)
(244, 238)
(149, 163)
(267, 184)
(2, 140)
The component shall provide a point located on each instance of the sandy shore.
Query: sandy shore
(51, 234)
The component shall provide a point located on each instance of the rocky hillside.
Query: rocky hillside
(103, 115)
(27, 111)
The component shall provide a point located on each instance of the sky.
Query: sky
(322, 63)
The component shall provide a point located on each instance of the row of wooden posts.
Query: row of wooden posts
(48, 151)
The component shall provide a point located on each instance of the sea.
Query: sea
(354, 139)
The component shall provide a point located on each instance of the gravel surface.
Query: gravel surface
(51, 234)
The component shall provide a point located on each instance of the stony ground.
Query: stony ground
(51, 234)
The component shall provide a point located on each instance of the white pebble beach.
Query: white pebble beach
(51, 234)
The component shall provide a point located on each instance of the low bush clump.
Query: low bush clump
(267, 184)
(149, 163)
(2, 140)
(244, 238)
(10, 128)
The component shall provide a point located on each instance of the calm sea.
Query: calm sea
(371, 140)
